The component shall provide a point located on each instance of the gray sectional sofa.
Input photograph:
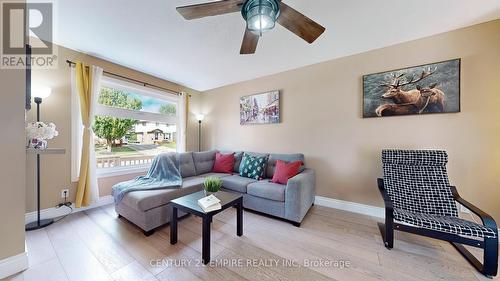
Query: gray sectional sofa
(150, 209)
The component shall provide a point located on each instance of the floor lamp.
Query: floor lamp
(39, 94)
(200, 118)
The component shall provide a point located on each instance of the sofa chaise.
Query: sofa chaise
(149, 209)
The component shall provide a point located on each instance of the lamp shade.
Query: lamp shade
(41, 92)
(260, 15)
(200, 117)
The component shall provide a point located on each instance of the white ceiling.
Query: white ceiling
(150, 36)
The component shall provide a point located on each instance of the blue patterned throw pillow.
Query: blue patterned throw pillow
(253, 167)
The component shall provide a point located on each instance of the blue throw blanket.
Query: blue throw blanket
(163, 174)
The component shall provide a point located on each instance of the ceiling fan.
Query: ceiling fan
(260, 16)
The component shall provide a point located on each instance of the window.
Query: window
(132, 125)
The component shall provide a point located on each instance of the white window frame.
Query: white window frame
(117, 84)
(110, 82)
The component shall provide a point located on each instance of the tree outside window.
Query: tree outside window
(113, 129)
(168, 109)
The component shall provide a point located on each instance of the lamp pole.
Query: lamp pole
(38, 101)
(200, 118)
(39, 223)
(199, 135)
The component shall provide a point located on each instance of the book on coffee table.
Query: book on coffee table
(209, 203)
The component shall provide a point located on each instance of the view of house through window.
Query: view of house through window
(132, 128)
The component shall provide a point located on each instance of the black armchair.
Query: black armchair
(416, 192)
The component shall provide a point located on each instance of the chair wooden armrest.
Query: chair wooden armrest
(487, 220)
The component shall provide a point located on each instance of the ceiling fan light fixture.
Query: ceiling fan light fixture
(260, 15)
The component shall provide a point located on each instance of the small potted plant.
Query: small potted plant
(212, 185)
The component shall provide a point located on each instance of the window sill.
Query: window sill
(121, 171)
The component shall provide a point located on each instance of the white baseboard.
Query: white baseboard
(58, 212)
(350, 206)
(13, 265)
(353, 207)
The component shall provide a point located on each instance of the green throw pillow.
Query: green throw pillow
(253, 167)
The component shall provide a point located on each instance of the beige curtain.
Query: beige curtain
(183, 120)
(88, 84)
(185, 96)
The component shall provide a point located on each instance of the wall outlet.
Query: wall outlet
(64, 193)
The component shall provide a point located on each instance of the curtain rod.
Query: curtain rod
(71, 63)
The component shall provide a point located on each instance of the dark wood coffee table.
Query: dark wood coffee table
(189, 204)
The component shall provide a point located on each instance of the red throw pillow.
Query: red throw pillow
(284, 171)
(224, 163)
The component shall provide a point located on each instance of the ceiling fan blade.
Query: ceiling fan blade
(250, 41)
(210, 9)
(299, 24)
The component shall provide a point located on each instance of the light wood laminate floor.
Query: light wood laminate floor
(96, 245)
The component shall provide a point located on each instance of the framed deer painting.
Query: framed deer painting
(424, 89)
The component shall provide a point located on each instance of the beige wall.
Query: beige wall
(56, 169)
(13, 162)
(322, 118)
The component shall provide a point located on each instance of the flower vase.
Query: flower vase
(37, 144)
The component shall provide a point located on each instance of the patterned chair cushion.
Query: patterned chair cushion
(415, 157)
(447, 224)
(417, 181)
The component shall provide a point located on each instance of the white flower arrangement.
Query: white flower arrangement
(41, 131)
